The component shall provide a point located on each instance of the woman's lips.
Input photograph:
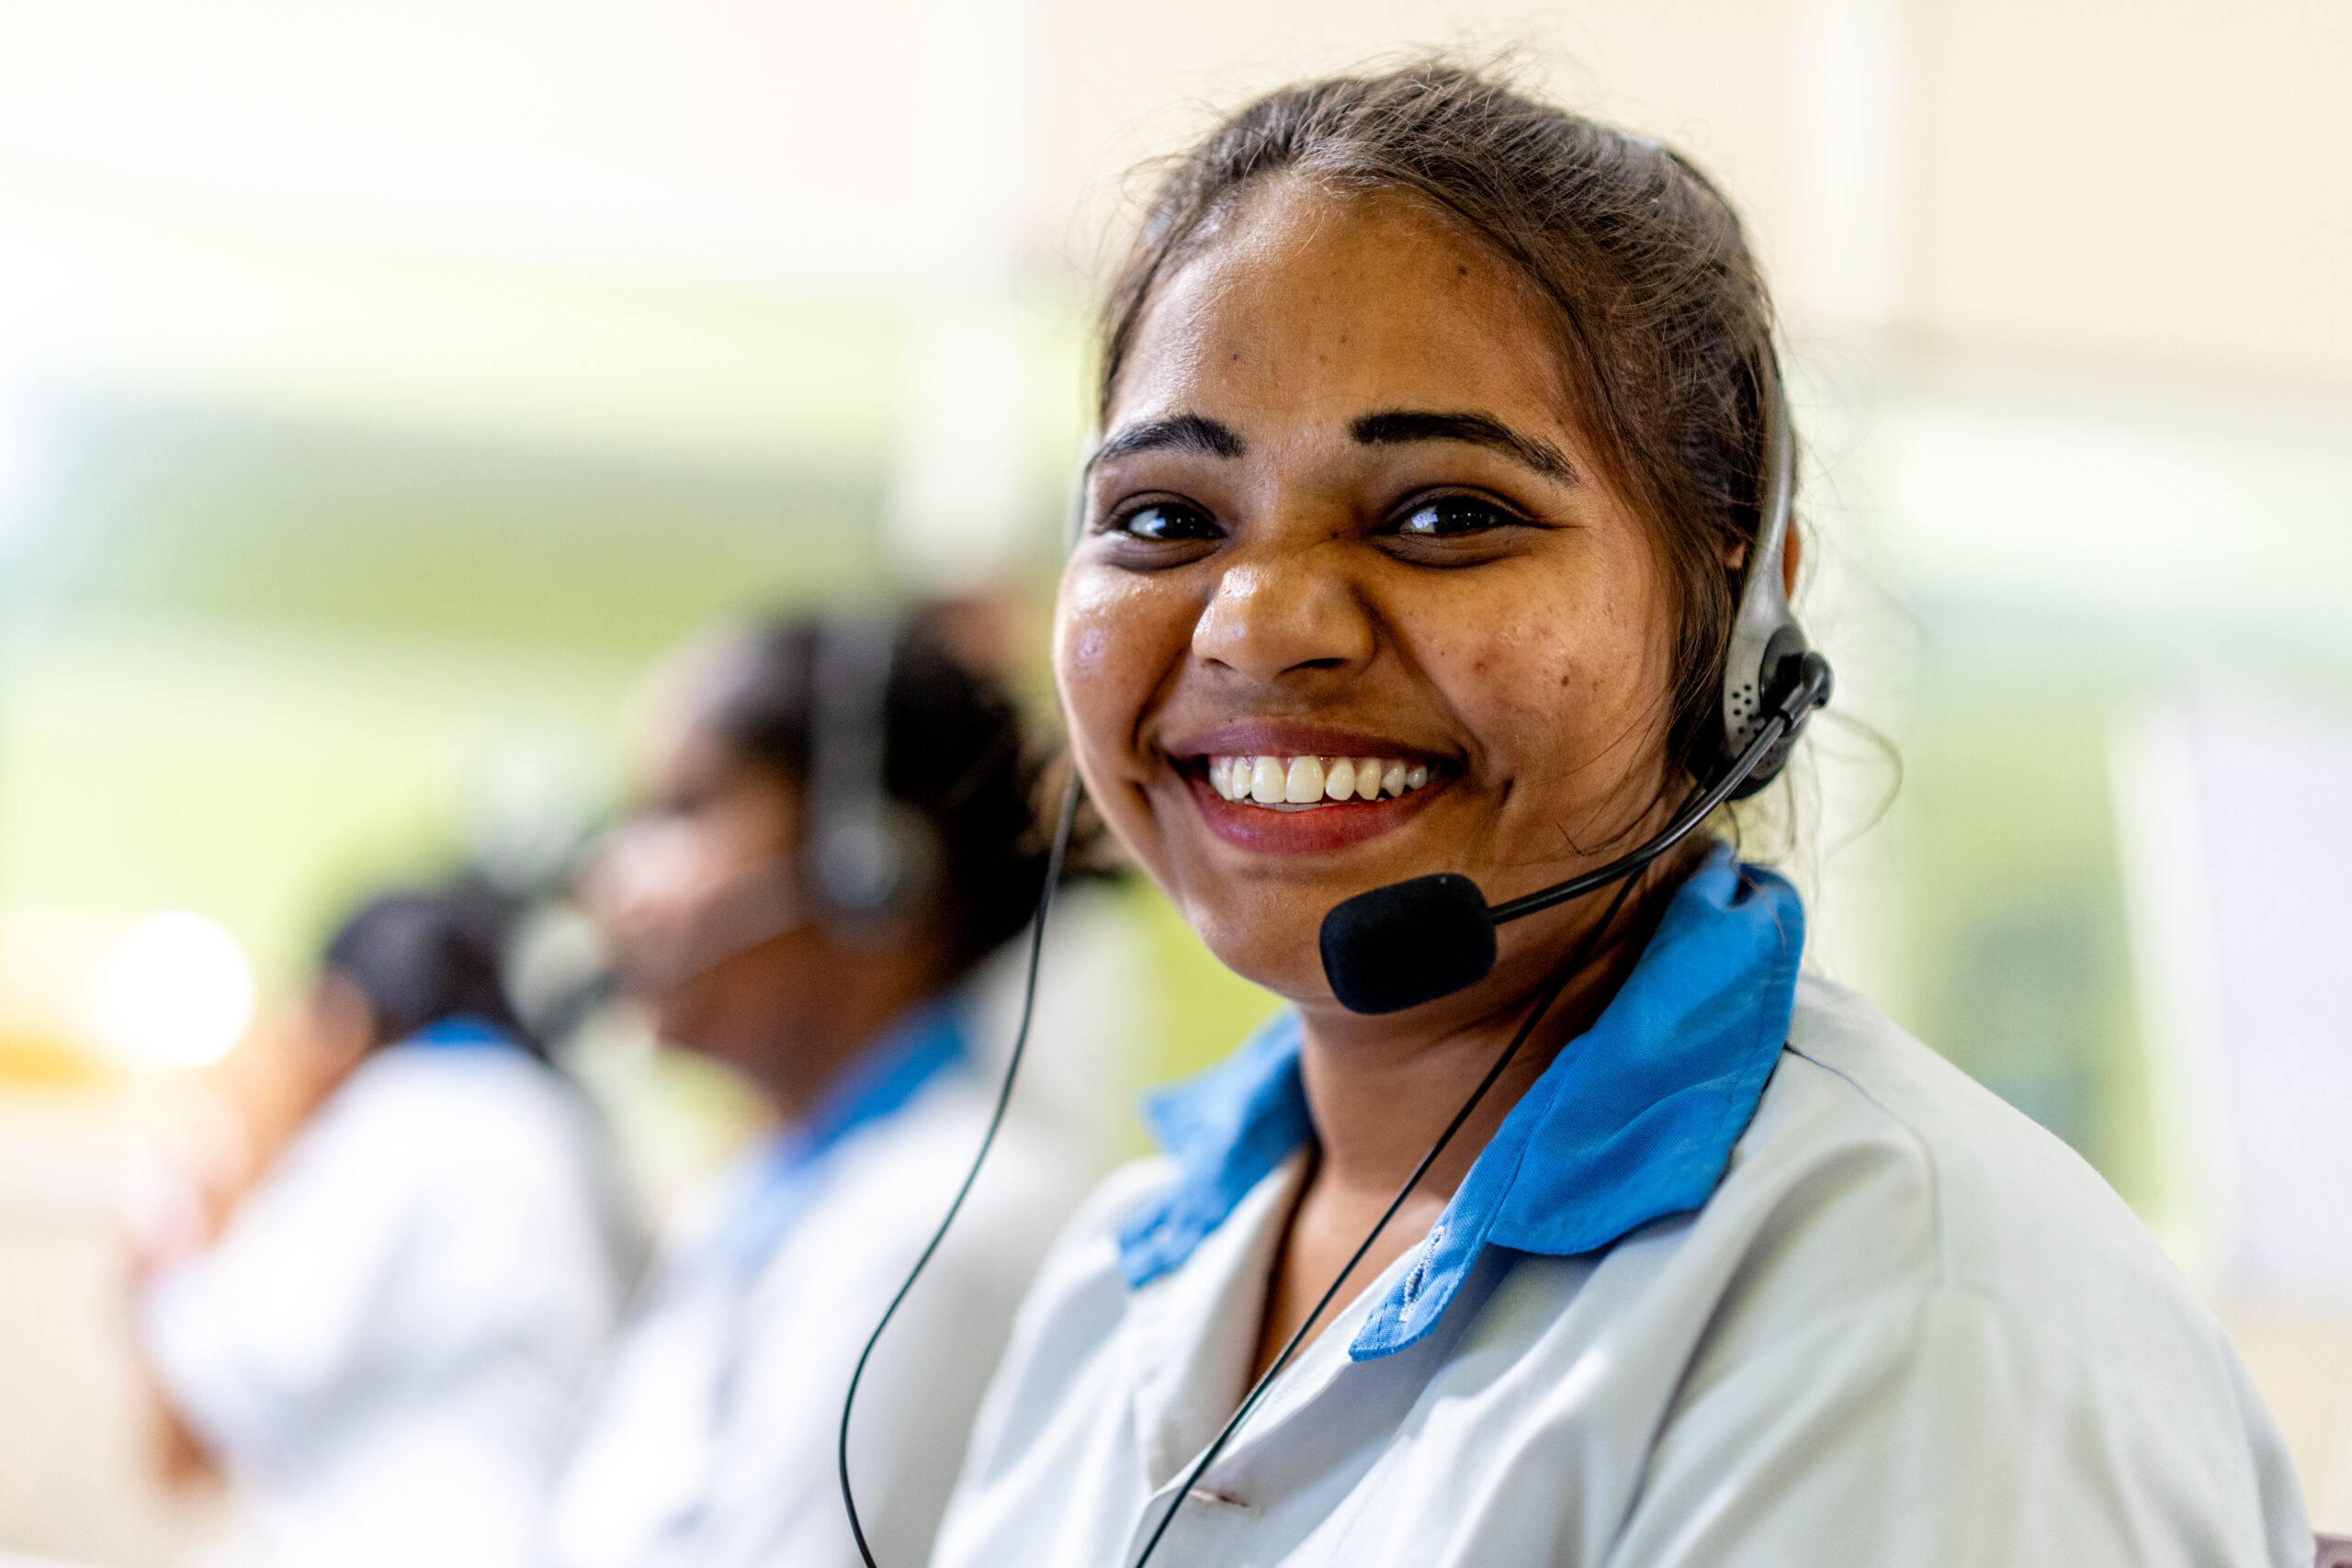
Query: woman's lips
(1281, 787)
(1302, 828)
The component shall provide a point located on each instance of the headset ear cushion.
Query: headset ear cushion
(869, 865)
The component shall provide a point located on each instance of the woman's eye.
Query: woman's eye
(1451, 516)
(1164, 522)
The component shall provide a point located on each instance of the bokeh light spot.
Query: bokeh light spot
(178, 991)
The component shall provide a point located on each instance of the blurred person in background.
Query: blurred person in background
(380, 1338)
(842, 827)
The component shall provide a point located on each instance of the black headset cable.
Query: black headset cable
(1053, 859)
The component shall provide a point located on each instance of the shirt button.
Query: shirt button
(1216, 1495)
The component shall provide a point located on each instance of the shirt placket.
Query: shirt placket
(1221, 1509)
(1226, 1502)
(1190, 1333)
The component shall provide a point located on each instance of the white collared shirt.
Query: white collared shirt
(1909, 1330)
(386, 1344)
(710, 1441)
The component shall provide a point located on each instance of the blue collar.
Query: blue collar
(462, 1031)
(1634, 1120)
(780, 1175)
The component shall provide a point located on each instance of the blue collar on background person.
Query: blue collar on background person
(1634, 1120)
(462, 1031)
(781, 1175)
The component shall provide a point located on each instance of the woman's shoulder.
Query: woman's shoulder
(468, 1108)
(1080, 1278)
(905, 1167)
(1900, 1274)
(473, 1069)
(1889, 1171)
(881, 1192)
(1092, 1233)
(1083, 1250)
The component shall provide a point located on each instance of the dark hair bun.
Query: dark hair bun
(420, 958)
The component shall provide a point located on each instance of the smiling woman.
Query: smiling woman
(1347, 524)
(1439, 435)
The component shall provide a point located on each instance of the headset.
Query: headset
(868, 857)
(1415, 942)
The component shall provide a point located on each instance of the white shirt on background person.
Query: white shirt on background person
(1748, 1278)
(710, 1441)
(385, 1344)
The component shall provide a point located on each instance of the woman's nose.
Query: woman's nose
(1284, 612)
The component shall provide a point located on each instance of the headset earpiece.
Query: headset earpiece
(869, 858)
(1767, 649)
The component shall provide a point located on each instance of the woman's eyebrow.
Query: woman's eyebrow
(1180, 433)
(1398, 426)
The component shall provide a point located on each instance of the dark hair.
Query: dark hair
(1662, 325)
(420, 958)
(953, 750)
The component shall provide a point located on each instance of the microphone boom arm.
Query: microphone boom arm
(1805, 692)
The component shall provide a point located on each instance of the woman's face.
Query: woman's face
(1343, 521)
(697, 896)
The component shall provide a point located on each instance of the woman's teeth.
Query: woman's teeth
(1313, 781)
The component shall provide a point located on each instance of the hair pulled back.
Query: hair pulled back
(422, 958)
(1663, 329)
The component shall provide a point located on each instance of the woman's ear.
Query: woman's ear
(1792, 555)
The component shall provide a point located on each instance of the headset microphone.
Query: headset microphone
(1410, 942)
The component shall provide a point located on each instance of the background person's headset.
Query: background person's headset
(1414, 942)
(866, 860)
